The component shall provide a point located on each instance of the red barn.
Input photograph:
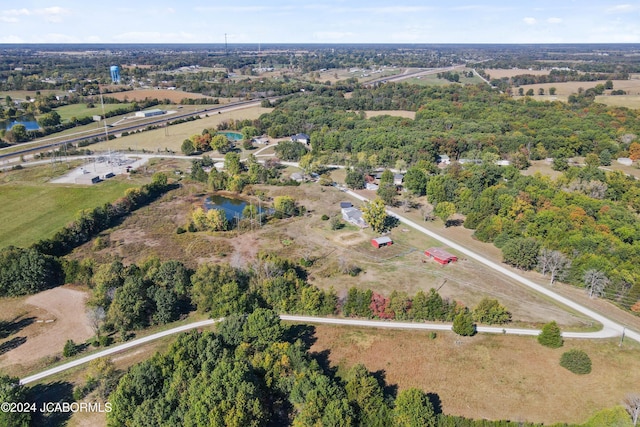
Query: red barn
(379, 242)
(440, 255)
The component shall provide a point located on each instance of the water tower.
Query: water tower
(115, 74)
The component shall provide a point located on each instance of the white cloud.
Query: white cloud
(235, 9)
(9, 19)
(554, 20)
(15, 12)
(12, 40)
(621, 8)
(529, 21)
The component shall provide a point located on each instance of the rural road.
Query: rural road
(303, 319)
(609, 327)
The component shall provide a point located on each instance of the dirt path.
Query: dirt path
(59, 315)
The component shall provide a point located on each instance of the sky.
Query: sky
(316, 21)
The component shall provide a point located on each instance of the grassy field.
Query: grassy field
(141, 94)
(32, 210)
(489, 376)
(172, 137)
(81, 110)
(432, 79)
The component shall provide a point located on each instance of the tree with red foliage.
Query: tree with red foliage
(380, 307)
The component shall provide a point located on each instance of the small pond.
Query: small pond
(28, 124)
(233, 136)
(231, 207)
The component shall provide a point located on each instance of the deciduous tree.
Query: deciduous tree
(375, 214)
(595, 282)
(414, 409)
(555, 263)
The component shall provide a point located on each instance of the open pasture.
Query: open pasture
(174, 96)
(489, 376)
(81, 110)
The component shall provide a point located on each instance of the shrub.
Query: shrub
(577, 361)
(324, 217)
(551, 336)
(70, 349)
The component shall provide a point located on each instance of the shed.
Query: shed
(379, 242)
(344, 205)
(440, 255)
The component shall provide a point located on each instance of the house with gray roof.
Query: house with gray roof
(354, 216)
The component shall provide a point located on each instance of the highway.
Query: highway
(99, 133)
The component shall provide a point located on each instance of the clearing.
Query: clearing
(152, 232)
(503, 377)
(48, 319)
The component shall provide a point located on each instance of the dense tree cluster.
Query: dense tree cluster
(255, 372)
(454, 120)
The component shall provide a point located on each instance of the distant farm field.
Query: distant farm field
(174, 96)
(31, 211)
(489, 376)
(495, 73)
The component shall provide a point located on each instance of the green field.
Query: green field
(34, 210)
(81, 110)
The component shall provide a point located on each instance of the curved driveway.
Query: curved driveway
(302, 319)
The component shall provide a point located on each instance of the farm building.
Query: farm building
(379, 242)
(440, 255)
(354, 216)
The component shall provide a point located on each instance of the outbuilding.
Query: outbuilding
(379, 242)
(440, 255)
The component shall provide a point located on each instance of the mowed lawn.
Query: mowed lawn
(30, 212)
(81, 110)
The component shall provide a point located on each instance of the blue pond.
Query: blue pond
(234, 136)
(28, 124)
(231, 207)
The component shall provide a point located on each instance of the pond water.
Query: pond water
(234, 136)
(231, 207)
(29, 124)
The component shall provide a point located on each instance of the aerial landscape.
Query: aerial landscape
(330, 214)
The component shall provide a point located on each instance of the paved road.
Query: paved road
(610, 328)
(302, 319)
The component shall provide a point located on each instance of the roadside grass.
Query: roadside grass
(32, 210)
(488, 376)
(81, 110)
